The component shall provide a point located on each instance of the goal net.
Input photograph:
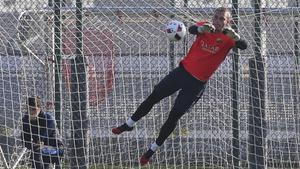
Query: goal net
(248, 116)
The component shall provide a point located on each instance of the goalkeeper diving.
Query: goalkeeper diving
(210, 48)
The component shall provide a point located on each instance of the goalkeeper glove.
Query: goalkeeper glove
(206, 28)
(228, 31)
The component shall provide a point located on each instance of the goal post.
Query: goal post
(248, 116)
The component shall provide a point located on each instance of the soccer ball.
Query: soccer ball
(175, 30)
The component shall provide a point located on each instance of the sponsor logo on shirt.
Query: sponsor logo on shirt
(209, 48)
(219, 40)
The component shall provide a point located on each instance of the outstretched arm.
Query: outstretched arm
(206, 27)
(239, 43)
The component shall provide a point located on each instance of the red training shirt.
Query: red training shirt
(206, 54)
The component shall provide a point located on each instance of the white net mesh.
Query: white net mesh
(127, 53)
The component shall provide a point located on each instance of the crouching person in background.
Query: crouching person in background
(40, 135)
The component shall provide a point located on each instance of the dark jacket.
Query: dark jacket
(41, 130)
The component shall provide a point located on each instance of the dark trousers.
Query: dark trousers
(190, 90)
(40, 161)
(37, 161)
